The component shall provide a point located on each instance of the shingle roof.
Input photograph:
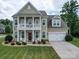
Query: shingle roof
(43, 13)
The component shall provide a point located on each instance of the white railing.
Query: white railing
(29, 26)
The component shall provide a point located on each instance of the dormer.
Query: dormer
(56, 21)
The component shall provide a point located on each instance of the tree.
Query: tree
(69, 14)
(7, 29)
(75, 32)
(7, 22)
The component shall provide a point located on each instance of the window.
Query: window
(36, 19)
(21, 34)
(56, 23)
(15, 20)
(29, 20)
(43, 22)
(43, 34)
(37, 35)
(21, 20)
(15, 34)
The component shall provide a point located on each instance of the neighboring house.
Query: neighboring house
(2, 28)
(30, 25)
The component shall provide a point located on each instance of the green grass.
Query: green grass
(29, 52)
(75, 42)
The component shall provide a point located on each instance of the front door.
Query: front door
(29, 36)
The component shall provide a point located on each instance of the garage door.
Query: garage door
(56, 36)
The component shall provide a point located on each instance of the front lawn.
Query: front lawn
(29, 52)
(75, 42)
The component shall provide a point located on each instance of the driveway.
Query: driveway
(66, 50)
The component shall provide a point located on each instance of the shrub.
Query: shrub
(34, 42)
(39, 42)
(43, 41)
(6, 42)
(18, 43)
(8, 38)
(24, 43)
(68, 38)
(12, 43)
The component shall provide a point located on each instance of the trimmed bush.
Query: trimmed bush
(34, 42)
(39, 42)
(68, 38)
(24, 43)
(12, 43)
(18, 43)
(8, 38)
(6, 42)
(43, 41)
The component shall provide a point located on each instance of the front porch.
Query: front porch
(28, 35)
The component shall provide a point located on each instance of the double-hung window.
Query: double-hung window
(15, 34)
(37, 35)
(15, 19)
(43, 22)
(43, 35)
(21, 34)
(56, 23)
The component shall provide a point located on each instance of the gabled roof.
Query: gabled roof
(26, 11)
(43, 13)
(53, 17)
(56, 17)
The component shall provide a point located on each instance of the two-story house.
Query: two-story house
(30, 24)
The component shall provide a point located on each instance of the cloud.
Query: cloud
(10, 7)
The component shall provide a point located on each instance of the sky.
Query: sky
(10, 7)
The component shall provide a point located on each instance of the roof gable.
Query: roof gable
(28, 9)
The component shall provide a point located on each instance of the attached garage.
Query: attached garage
(56, 36)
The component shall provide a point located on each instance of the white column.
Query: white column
(17, 35)
(24, 35)
(13, 28)
(33, 22)
(40, 22)
(17, 29)
(24, 22)
(40, 35)
(33, 36)
(40, 28)
(46, 30)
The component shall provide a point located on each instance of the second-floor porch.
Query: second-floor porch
(27, 23)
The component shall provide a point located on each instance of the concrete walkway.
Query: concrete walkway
(66, 50)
